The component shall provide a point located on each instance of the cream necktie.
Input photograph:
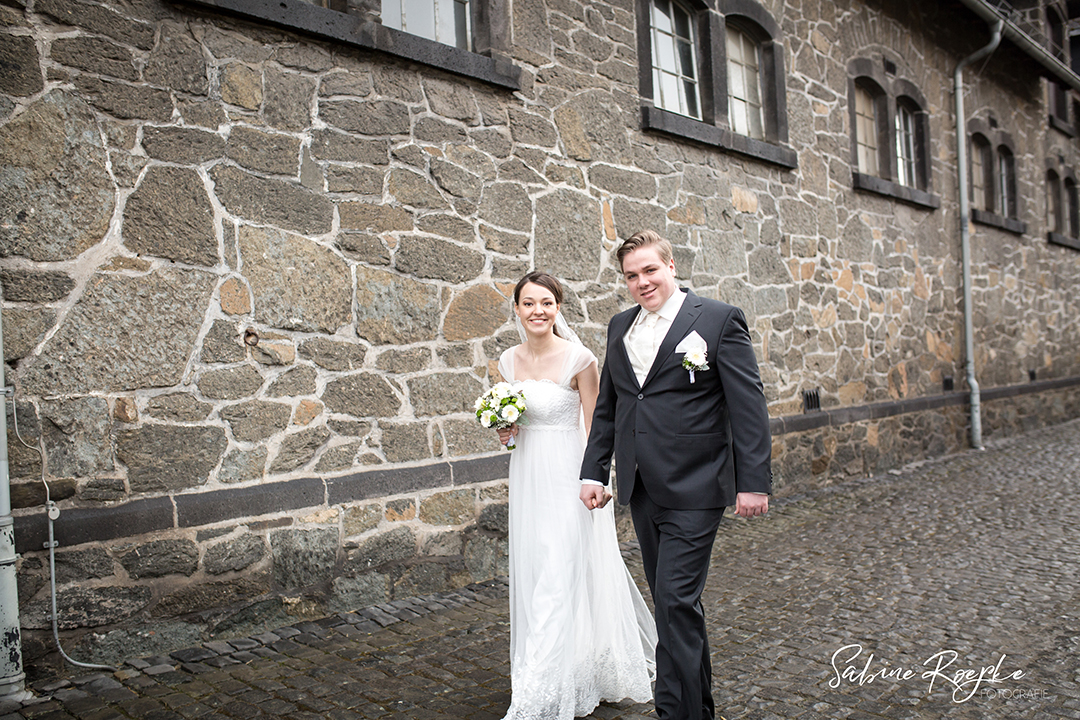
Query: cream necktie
(643, 342)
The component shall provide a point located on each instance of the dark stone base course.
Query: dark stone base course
(139, 517)
(877, 411)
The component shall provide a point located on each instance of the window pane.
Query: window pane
(753, 87)
(738, 116)
(1070, 201)
(734, 47)
(670, 91)
(457, 27)
(675, 86)
(736, 88)
(682, 22)
(391, 13)
(905, 146)
(665, 53)
(686, 59)
(744, 85)
(866, 131)
(1007, 182)
(1052, 202)
(662, 16)
(978, 184)
(690, 94)
(757, 129)
(419, 18)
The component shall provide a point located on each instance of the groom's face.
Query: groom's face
(650, 280)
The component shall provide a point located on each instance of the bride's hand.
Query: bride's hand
(594, 496)
(506, 433)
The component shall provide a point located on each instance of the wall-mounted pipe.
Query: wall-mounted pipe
(965, 222)
(12, 677)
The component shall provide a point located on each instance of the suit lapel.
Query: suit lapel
(688, 313)
(620, 329)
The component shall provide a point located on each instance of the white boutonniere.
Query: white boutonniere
(695, 354)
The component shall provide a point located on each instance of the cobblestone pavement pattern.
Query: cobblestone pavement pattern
(976, 554)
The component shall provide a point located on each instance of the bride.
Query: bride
(580, 631)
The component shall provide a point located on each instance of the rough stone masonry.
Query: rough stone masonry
(253, 281)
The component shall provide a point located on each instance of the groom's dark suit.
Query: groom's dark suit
(682, 452)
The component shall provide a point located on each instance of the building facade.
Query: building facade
(256, 260)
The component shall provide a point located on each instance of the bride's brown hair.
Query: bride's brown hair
(544, 280)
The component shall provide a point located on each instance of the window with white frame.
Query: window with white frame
(464, 37)
(715, 75)
(1006, 181)
(1072, 208)
(866, 131)
(905, 145)
(444, 21)
(674, 63)
(744, 84)
(1062, 203)
(982, 185)
(890, 136)
(1053, 202)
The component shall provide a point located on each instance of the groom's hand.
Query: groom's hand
(594, 496)
(751, 504)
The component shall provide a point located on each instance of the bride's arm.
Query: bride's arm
(588, 387)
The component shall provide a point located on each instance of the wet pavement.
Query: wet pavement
(948, 589)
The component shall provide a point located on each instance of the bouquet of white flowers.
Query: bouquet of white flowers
(500, 407)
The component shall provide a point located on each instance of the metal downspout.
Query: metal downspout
(965, 222)
(12, 677)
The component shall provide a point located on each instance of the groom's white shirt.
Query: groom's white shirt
(642, 362)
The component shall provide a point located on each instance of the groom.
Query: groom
(686, 445)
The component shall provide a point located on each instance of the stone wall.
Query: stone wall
(244, 268)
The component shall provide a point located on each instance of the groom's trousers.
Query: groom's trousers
(676, 546)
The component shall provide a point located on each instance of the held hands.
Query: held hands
(506, 433)
(751, 504)
(594, 496)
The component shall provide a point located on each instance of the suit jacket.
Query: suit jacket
(695, 444)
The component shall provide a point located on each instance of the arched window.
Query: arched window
(1053, 202)
(744, 84)
(1006, 182)
(1072, 208)
(994, 200)
(907, 159)
(982, 168)
(675, 85)
(716, 75)
(890, 138)
(867, 128)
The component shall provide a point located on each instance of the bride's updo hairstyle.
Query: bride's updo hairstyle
(544, 280)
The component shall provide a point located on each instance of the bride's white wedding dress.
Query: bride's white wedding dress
(580, 631)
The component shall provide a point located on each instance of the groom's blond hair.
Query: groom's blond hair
(645, 238)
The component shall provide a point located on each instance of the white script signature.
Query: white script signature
(965, 682)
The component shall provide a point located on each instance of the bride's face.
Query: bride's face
(536, 307)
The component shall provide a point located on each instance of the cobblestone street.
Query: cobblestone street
(865, 600)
